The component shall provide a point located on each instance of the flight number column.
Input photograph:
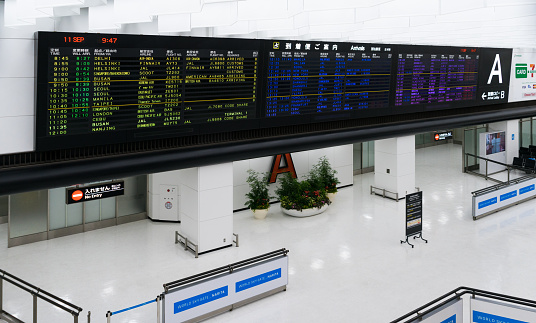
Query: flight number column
(173, 89)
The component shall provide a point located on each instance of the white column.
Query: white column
(206, 205)
(394, 164)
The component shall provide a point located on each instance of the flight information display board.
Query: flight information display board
(114, 88)
(96, 89)
(315, 77)
(446, 75)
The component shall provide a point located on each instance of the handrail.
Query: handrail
(508, 167)
(485, 190)
(224, 269)
(491, 160)
(42, 294)
(457, 293)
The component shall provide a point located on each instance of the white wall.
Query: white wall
(17, 78)
(340, 158)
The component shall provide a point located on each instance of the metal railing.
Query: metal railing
(190, 246)
(157, 300)
(225, 269)
(437, 303)
(501, 185)
(373, 190)
(36, 293)
(383, 190)
(486, 175)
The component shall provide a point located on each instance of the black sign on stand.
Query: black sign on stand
(413, 217)
(95, 192)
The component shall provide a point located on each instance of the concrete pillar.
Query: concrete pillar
(394, 165)
(206, 205)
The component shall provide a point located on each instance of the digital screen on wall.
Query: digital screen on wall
(95, 89)
(495, 142)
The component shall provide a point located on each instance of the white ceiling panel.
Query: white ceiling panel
(275, 24)
(262, 9)
(174, 23)
(422, 20)
(365, 14)
(215, 14)
(387, 23)
(450, 6)
(330, 17)
(446, 22)
(482, 14)
(166, 7)
(101, 18)
(312, 5)
(131, 11)
(335, 28)
(508, 12)
(400, 8)
(238, 28)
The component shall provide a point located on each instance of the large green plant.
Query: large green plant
(322, 175)
(258, 196)
(299, 195)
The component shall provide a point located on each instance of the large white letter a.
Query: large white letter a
(496, 69)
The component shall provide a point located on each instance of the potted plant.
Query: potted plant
(258, 198)
(325, 176)
(301, 198)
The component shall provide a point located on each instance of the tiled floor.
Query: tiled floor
(346, 265)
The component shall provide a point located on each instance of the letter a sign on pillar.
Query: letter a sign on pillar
(277, 169)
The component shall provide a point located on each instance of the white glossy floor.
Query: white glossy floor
(346, 265)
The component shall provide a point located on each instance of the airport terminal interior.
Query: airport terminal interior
(345, 265)
(128, 127)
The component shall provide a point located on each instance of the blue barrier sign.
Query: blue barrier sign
(487, 202)
(258, 280)
(526, 189)
(200, 299)
(451, 319)
(508, 195)
(481, 317)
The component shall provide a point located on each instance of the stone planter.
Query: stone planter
(305, 212)
(331, 196)
(259, 213)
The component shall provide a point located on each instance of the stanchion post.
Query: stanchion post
(108, 317)
(1, 292)
(75, 318)
(158, 309)
(34, 307)
(89, 317)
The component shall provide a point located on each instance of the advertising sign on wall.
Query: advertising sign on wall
(485, 311)
(523, 76)
(452, 312)
(193, 301)
(95, 192)
(413, 213)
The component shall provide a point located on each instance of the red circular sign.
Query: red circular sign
(77, 195)
(436, 137)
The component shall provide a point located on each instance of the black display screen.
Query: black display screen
(95, 89)
(98, 89)
(318, 77)
(446, 75)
